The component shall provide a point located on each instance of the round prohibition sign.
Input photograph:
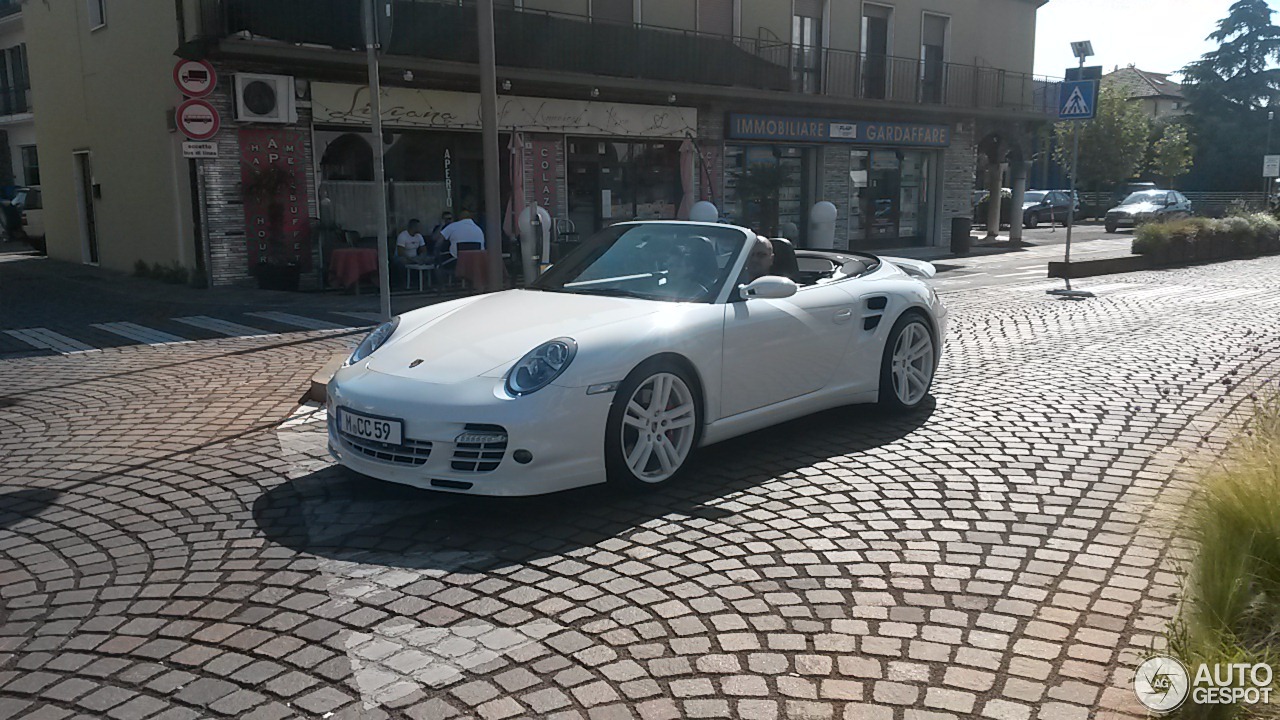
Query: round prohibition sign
(198, 119)
(195, 78)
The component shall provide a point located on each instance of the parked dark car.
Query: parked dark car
(1148, 206)
(1047, 206)
(1125, 189)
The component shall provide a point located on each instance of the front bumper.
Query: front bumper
(561, 427)
(1129, 220)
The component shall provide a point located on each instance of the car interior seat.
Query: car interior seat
(784, 259)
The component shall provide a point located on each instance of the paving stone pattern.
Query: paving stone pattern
(174, 542)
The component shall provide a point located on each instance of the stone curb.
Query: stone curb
(320, 380)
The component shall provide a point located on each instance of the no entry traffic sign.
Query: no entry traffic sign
(198, 119)
(195, 78)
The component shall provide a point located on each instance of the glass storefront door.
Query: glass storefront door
(767, 187)
(888, 198)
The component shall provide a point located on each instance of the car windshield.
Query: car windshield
(654, 261)
(1146, 196)
(1035, 197)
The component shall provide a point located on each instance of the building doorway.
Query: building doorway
(84, 205)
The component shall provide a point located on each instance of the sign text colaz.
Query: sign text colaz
(861, 132)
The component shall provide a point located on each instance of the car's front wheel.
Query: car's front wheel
(1111, 227)
(654, 425)
(906, 370)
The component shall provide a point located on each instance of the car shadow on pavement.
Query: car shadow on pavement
(338, 514)
(24, 503)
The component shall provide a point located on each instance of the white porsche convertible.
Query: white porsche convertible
(650, 340)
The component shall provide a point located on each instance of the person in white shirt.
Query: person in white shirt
(410, 242)
(464, 230)
(411, 247)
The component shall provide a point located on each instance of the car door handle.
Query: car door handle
(843, 315)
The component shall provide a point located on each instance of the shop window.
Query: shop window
(888, 201)
(765, 188)
(611, 182)
(30, 165)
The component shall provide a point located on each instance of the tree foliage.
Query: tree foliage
(1171, 155)
(1231, 89)
(1112, 145)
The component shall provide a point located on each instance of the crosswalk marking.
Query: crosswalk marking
(222, 327)
(305, 323)
(368, 316)
(144, 335)
(46, 339)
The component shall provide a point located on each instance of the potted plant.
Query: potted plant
(276, 269)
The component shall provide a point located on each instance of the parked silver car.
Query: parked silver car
(1148, 206)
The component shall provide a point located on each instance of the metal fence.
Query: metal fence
(547, 40)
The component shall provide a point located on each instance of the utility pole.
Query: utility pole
(489, 127)
(379, 170)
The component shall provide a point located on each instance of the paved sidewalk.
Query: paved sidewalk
(174, 542)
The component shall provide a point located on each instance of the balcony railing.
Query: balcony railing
(15, 100)
(444, 30)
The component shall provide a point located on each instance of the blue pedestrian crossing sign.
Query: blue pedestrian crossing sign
(1078, 100)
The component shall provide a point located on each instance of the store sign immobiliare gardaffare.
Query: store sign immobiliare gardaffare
(826, 130)
(444, 110)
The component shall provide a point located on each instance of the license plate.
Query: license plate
(367, 427)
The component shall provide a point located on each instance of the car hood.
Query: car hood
(1137, 208)
(497, 329)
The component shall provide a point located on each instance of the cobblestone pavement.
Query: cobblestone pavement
(175, 544)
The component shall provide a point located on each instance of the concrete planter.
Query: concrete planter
(1171, 255)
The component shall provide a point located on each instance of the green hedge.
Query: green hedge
(1197, 239)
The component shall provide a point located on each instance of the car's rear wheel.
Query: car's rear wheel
(907, 367)
(1033, 220)
(654, 425)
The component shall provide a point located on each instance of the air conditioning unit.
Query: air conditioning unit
(265, 98)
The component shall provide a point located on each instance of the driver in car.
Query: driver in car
(759, 262)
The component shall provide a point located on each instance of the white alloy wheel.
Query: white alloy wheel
(658, 427)
(912, 369)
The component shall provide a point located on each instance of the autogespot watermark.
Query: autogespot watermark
(1163, 684)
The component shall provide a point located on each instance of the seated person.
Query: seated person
(464, 230)
(446, 219)
(411, 248)
(759, 262)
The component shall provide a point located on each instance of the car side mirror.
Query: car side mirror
(769, 287)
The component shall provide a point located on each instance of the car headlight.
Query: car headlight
(374, 340)
(540, 366)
